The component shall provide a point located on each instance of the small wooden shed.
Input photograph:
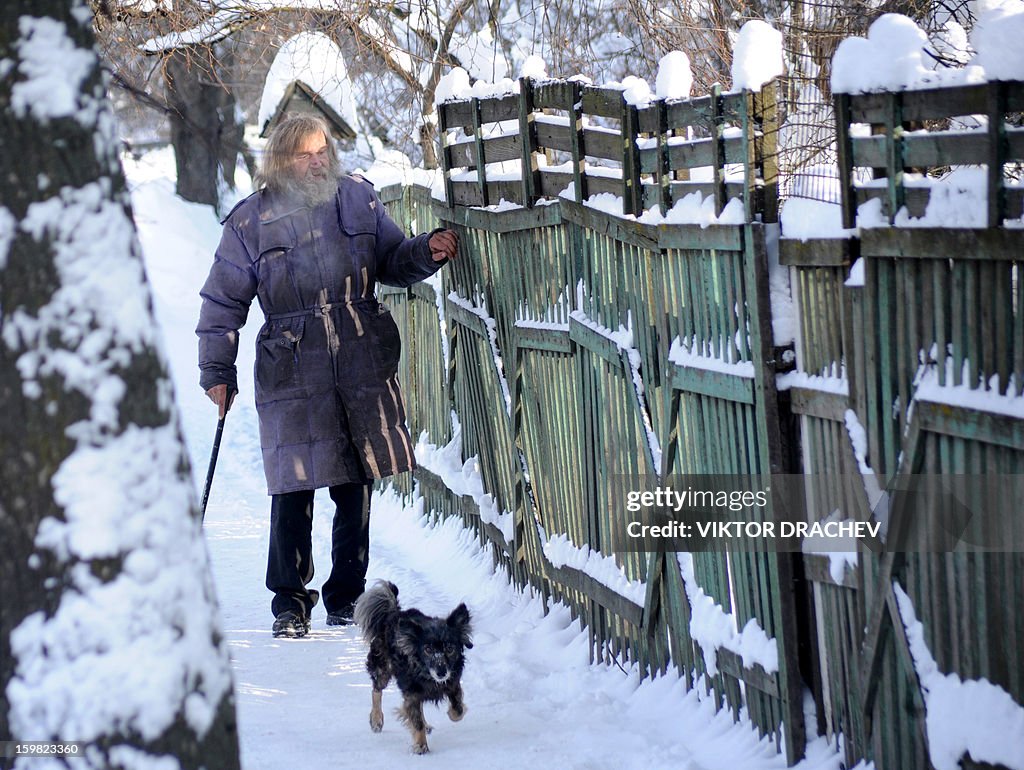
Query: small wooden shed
(300, 97)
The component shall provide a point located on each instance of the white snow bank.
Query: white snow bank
(691, 209)
(959, 199)
(973, 717)
(757, 56)
(455, 84)
(463, 477)
(713, 628)
(804, 218)
(635, 91)
(974, 396)
(562, 552)
(534, 67)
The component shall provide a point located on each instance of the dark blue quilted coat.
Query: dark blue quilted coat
(327, 393)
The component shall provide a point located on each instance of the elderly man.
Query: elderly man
(311, 245)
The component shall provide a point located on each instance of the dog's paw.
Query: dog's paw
(376, 721)
(454, 715)
(420, 748)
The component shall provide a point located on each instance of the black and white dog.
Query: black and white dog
(425, 655)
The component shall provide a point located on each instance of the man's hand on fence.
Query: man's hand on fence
(444, 245)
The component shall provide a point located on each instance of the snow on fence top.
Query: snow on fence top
(757, 58)
(520, 142)
(919, 145)
(566, 138)
(893, 56)
(881, 136)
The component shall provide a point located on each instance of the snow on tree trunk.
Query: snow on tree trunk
(108, 625)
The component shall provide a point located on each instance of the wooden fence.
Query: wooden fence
(585, 352)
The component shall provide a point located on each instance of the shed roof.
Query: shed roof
(300, 97)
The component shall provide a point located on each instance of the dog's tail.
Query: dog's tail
(375, 607)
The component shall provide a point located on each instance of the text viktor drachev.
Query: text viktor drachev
(682, 515)
(724, 513)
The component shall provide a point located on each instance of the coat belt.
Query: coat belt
(318, 310)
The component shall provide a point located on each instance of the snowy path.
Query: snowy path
(532, 695)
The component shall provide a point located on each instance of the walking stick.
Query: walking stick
(213, 458)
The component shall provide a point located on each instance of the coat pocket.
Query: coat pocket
(384, 339)
(279, 360)
(274, 265)
(361, 229)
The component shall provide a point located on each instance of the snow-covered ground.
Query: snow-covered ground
(531, 692)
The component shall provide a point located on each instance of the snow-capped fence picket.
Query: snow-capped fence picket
(605, 328)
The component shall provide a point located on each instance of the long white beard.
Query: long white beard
(312, 190)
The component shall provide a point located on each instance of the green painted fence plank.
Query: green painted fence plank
(712, 383)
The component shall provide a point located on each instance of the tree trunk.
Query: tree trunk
(201, 105)
(231, 139)
(428, 143)
(108, 625)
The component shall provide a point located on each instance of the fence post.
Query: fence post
(528, 143)
(632, 192)
(894, 152)
(446, 158)
(478, 141)
(576, 134)
(664, 162)
(844, 151)
(996, 103)
(767, 115)
(718, 148)
(749, 160)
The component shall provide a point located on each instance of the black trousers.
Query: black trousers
(290, 562)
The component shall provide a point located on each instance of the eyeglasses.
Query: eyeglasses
(306, 157)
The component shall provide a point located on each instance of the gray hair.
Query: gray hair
(284, 143)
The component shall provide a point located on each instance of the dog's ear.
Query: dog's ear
(460, 621)
(408, 635)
